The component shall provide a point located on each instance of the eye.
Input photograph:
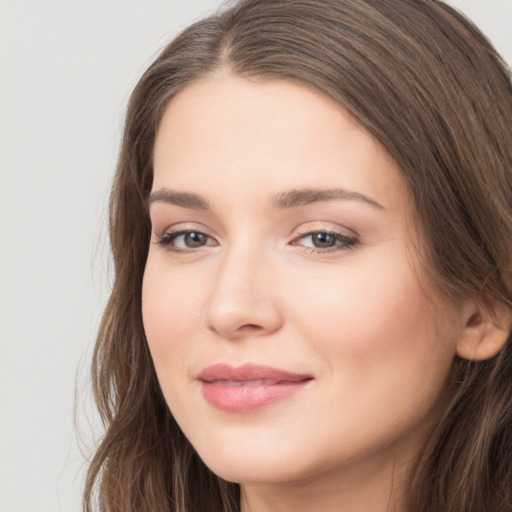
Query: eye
(185, 240)
(325, 241)
(322, 240)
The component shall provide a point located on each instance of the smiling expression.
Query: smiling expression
(279, 244)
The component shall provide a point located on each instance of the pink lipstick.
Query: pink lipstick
(248, 387)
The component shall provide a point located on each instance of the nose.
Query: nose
(243, 302)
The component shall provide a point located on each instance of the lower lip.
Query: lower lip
(248, 398)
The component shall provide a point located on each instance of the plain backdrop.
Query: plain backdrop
(66, 70)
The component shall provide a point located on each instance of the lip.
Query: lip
(248, 387)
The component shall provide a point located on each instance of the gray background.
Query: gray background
(66, 69)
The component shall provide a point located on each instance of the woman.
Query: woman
(311, 225)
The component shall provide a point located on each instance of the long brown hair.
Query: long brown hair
(429, 86)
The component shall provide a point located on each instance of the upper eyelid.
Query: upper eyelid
(304, 227)
(301, 230)
(333, 228)
(326, 231)
(184, 227)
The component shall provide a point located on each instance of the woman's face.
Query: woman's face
(288, 328)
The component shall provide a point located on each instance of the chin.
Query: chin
(257, 464)
(254, 472)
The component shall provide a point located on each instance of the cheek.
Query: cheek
(361, 306)
(375, 323)
(169, 309)
(385, 361)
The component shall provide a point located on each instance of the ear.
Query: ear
(486, 329)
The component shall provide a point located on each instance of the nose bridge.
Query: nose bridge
(243, 298)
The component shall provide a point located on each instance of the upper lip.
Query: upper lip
(249, 372)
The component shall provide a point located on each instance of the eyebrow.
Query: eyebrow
(283, 200)
(183, 199)
(300, 197)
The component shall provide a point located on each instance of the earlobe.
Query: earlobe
(485, 332)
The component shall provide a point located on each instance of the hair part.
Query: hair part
(432, 90)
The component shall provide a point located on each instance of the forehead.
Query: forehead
(272, 135)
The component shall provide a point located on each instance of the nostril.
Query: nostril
(250, 327)
(239, 332)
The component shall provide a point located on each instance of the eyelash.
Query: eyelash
(343, 242)
(166, 239)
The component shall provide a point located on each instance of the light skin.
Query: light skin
(301, 260)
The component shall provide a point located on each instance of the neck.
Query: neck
(362, 488)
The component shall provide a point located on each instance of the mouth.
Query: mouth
(249, 387)
(260, 382)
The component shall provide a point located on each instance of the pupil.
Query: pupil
(323, 240)
(194, 239)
